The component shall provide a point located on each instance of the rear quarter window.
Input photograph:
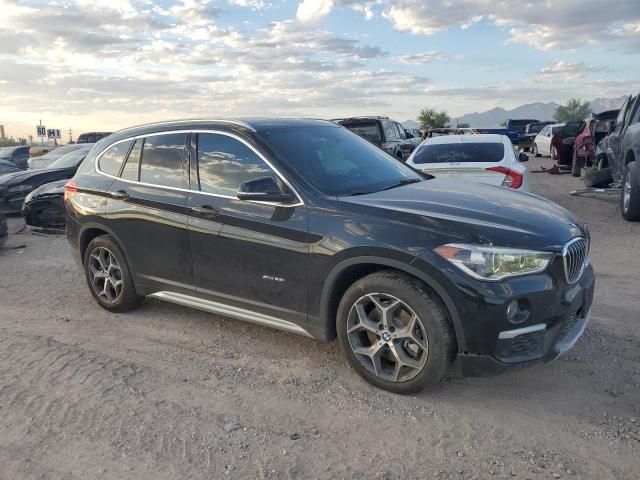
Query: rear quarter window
(460, 152)
(111, 160)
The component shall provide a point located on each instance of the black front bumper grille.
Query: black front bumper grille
(526, 344)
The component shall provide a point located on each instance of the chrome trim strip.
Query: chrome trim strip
(169, 122)
(216, 132)
(230, 311)
(507, 334)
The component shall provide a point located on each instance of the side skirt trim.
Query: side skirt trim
(230, 311)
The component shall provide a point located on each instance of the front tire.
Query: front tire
(108, 276)
(596, 178)
(394, 332)
(630, 197)
(536, 153)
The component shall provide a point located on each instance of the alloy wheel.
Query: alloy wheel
(387, 337)
(626, 192)
(105, 274)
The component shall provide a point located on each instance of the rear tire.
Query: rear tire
(536, 153)
(394, 332)
(630, 196)
(108, 276)
(576, 165)
(596, 178)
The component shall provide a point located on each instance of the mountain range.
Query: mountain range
(540, 111)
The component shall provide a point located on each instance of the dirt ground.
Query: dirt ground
(166, 392)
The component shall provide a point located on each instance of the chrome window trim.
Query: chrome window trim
(215, 132)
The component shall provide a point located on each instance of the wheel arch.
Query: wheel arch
(345, 273)
(92, 230)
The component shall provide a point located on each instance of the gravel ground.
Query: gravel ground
(168, 392)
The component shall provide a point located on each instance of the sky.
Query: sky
(108, 64)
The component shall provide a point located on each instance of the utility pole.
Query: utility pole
(70, 135)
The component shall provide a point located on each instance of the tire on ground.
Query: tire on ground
(598, 178)
(576, 165)
(128, 299)
(440, 338)
(631, 175)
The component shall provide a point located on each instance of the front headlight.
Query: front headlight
(20, 188)
(488, 262)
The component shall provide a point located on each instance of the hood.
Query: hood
(53, 188)
(479, 213)
(25, 175)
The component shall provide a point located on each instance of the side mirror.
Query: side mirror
(264, 189)
(523, 157)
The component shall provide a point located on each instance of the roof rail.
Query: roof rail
(169, 122)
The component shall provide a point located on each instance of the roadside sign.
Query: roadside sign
(53, 133)
(42, 130)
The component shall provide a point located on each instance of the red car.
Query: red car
(591, 131)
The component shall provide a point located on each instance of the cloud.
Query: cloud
(569, 71)
(424, 57)
(542, 25)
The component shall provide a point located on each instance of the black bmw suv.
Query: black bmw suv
(304, 226)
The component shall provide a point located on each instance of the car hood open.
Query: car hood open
(490, 214)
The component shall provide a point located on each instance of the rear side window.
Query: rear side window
(369, 131)
(224, 163)
(390, 131)
(161, 162)
(111, 160)
(130, 169)
(460, 152)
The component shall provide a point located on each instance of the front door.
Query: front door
(246, 254)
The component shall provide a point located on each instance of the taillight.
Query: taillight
(512, 178)
(69, 189)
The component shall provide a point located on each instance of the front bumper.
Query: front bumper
(555, 314)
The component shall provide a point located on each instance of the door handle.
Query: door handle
(205, 211)
(120, 195)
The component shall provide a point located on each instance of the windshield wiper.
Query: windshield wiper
(402, 183)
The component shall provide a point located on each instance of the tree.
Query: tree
(573, 111)
(429, 118)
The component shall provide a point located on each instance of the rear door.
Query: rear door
(147, 208)
(246, 254)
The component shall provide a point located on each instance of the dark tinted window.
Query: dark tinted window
(130, 170)
(161, 162)
(570, 129)
(460, 152)
(535, 128)
(337, 162)
(369, 130)
(390, 131)
(224, 163)
(111, 160)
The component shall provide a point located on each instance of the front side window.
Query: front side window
(111, 160)
(459, 152)
(161, 162)
(336, 162)
(224, 163)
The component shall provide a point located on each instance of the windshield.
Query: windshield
(459, 152)
(70, 159)
(369, 130)
(337, 162)
(6, 151)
